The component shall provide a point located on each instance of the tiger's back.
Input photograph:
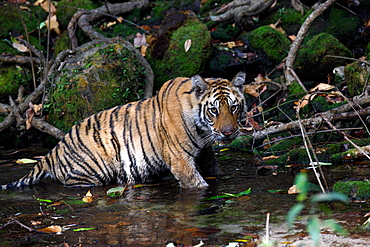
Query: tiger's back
(135, 142)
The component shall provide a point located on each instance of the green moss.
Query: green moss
(178, 62)
(61, 44)
(273, 43)
(341, 22)
(10, 80)
(357, 77)
(295, 89)
(67, 8)
(290, 20)
(353, 189)
(225, 31)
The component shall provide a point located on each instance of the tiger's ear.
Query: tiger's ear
(239, 81)
(199, 85)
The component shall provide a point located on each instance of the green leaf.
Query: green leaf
(293, 213)
(83, 229)
(228, 195)
(44, 200)
(313, 229)
(329, 197)
(116, 191)
(337, 228)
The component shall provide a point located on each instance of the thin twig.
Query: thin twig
(346, 137)
(23, 225)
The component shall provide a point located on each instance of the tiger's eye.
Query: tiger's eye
(233, 108)
(213, 110)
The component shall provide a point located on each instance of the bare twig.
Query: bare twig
(346, 137)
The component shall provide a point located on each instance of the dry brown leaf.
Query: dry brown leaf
(45, 5)
(251, 90)
(322, 87)
(119, 19)
(292, 37)
(109, 24)
(24, 8)
(88, 197)
(293, 190)
(54, 25)
(143, 50)
(51, 229)
(20, 47)
(305, 100)
(187, 45)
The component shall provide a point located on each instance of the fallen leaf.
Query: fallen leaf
(54, 25)
(187, 45)
(88, 197)
(112, 23)
(293, 190)
(140, 40)
(322, 87)
(26, 161)
(251, 90)
(292, 37)
(44, 4)
(20, 47)
(51, 229)
(83, 229)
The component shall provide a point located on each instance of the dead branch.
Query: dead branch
(19, 59)
(289, 64)
(45, 127)
(336, 114)
(83, 18)
(242, 9)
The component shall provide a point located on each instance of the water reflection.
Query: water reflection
(147, 216)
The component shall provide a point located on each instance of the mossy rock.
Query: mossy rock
(101, 75)
(175, 61)
(357, 76)
(341, 23)
(272, 42)
(312, 63)
(353, 189)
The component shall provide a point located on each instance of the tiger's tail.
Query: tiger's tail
(36, 175)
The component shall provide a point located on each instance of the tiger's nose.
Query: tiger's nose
(228, 130)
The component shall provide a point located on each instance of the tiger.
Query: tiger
(136, 142)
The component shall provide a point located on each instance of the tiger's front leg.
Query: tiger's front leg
(187, 175)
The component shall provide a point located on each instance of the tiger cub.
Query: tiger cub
(133, 143)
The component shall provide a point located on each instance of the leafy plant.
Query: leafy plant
(314, 223)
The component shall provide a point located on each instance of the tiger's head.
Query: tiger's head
(221, 108)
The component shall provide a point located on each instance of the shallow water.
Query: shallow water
(154, 215)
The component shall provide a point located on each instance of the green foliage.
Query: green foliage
(272, 42)
(314, 223)
(228, 195)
